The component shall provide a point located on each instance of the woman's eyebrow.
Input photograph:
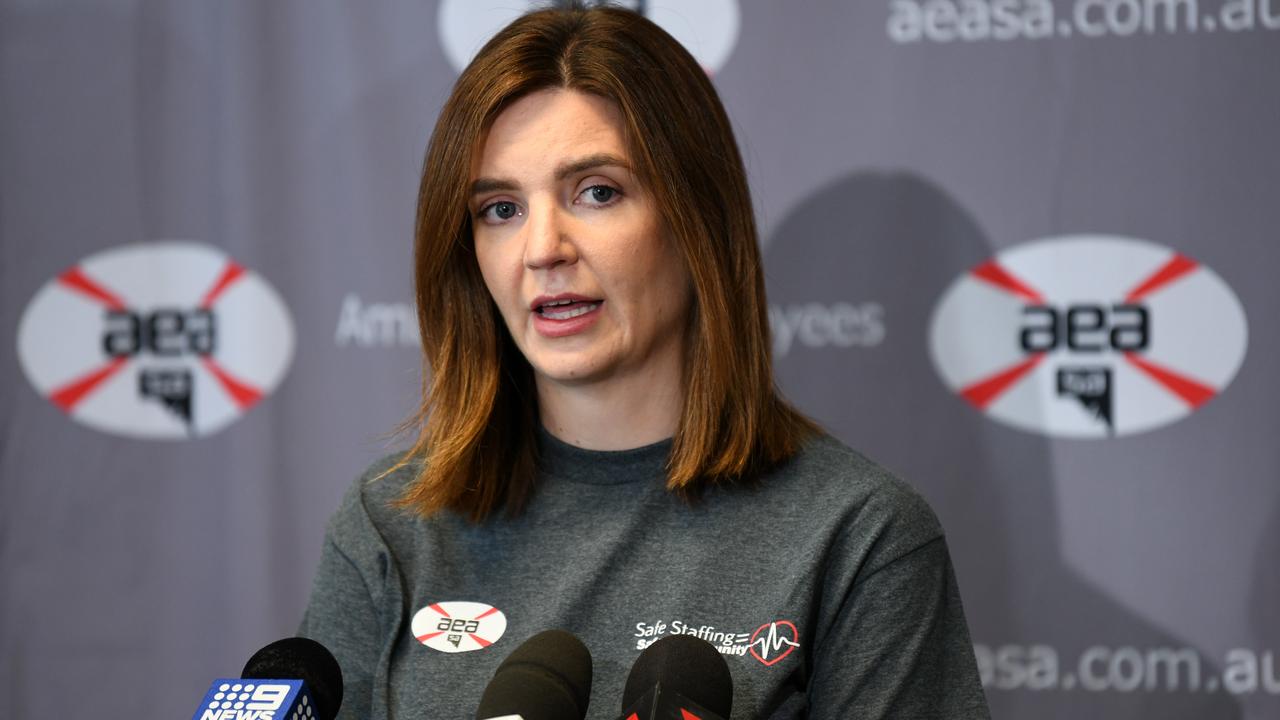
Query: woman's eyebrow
(589, 162)
(485, 185)
(564, 170)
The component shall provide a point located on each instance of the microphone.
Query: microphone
(547, 678)
(681, 677)
(290, 679)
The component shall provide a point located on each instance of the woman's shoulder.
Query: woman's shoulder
(386, 478)
(828, 478)
(825, 464)
(370, 502)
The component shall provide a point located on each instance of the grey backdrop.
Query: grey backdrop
(289, 135)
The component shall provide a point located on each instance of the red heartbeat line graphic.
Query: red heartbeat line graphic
(772, 642)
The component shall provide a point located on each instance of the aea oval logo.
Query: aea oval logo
(708, 29)
(1088, 336)
(458, 626)
(164, 340)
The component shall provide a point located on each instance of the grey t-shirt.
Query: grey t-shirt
(826, 586)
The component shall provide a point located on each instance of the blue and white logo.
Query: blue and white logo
(230, 699)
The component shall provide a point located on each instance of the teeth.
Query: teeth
(568, 314)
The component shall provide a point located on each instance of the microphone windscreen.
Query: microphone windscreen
(301, 659)
(684, 665)
(548, 677)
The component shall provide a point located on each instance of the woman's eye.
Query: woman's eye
(600, 194)
(503, 210)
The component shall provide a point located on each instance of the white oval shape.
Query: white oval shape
(163, 340)
(708, 29)
(456, 626)
(1088, 336)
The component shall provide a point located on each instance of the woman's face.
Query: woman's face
(572, 247)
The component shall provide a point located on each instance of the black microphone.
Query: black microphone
(678, 676)
(547, 678)
(290, 678)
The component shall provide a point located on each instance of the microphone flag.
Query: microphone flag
(240, 699)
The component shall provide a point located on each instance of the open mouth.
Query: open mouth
(567, 309)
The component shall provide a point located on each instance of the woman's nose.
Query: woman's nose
(548, 243)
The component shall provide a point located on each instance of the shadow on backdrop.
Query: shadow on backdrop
(1266, 598)
(898, 240)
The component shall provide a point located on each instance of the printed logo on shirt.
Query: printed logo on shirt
(458, 626)
(160, 340)
(708, 29)
(1088, 336)
(773, 641)
(770, 644)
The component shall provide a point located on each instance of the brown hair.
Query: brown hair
(477, 425)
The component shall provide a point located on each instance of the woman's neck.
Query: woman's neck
(612, 415)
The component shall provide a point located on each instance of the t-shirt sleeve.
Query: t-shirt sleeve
(340, 617)
(342, 613)
(896, 644)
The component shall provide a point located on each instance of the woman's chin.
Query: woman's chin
(568, 374)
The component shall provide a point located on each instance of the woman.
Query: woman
(601, 446)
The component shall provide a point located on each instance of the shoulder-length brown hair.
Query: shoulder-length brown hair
(477, 425)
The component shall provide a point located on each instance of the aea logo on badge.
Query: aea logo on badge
(458, 626)
(163, 340)
(1088, 336)
(708, 29)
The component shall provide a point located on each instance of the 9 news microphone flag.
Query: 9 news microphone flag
(290, 679)
(236, 699)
